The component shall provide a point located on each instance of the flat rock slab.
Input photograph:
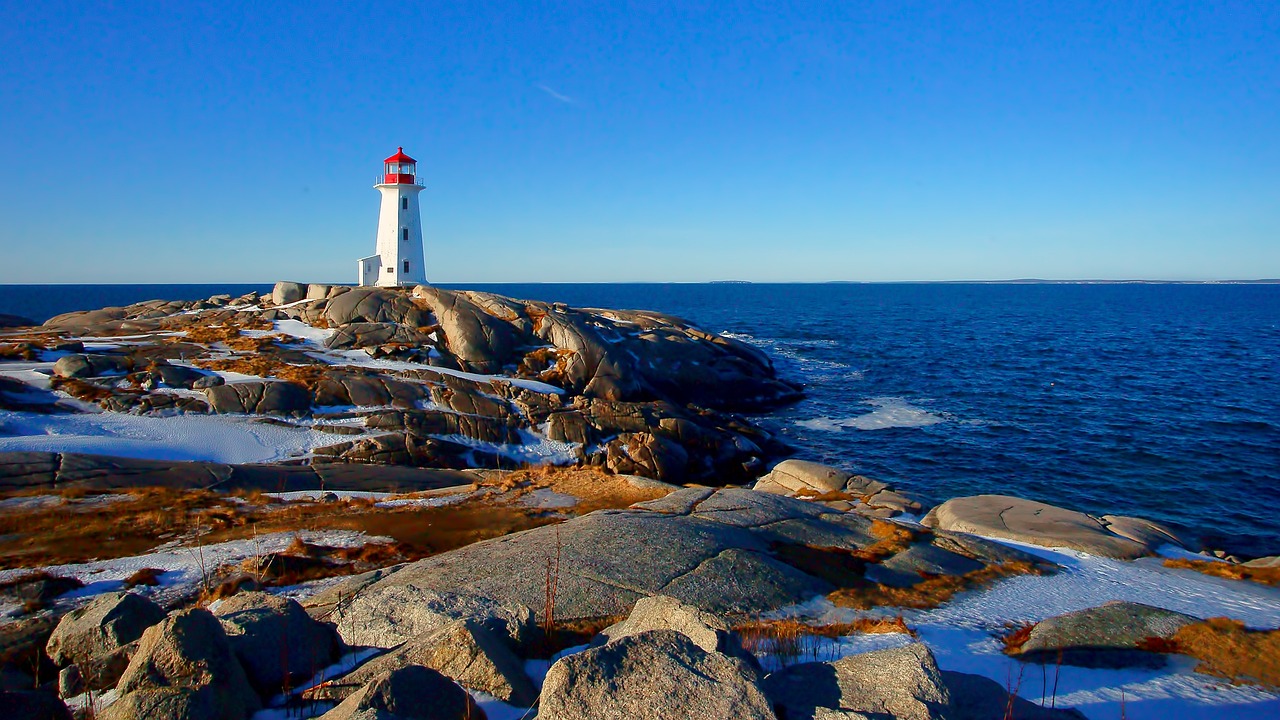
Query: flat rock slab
(1011, 518)
(45, 470)
(717, 550)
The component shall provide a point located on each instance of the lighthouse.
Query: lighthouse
(399, 258)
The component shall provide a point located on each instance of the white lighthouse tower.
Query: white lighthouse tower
(400, 258)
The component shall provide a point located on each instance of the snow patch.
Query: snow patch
(209, 438)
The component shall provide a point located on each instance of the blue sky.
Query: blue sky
(193, 142)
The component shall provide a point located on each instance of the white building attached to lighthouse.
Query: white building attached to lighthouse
(400, 258)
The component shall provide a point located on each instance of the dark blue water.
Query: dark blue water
(1160, 401)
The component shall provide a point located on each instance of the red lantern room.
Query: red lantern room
(400, 169)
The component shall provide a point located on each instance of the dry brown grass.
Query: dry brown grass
(1226, 649)
(70, 534)
(1016, 637)
(791, 640)
(81, 389)
(19, 351)
(1231, 571)
(207, 335)
(930, 592)
(594, 488)
(145, 576)
(308, 376)
(831, 496)
(891, 539)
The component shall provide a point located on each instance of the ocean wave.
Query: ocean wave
(889, 412)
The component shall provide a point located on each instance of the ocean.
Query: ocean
(1155, 400)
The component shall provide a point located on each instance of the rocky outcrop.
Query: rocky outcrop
(275, 640)
(386, 614)
(635, 392)
(260, 398)
(408, 693)
(1111, 635)
(902, 683)
(184, 668)
(95, 642)
(660, 673)
(1028, 521)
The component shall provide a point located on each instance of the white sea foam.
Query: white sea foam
(889, 412)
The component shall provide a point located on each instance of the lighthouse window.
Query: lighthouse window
(406, 266)
(404, 203)
(404, 233)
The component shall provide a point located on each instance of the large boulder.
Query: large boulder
(376, 305)
(1028, 521)
(659, 612)
(275, 640)
(184, 668)
(387, 614)
(287, 292)
(659, 674)
(407, 693)
(798, 476)
(903, 683)
(1109, 635)
(82, 366)
(465, 651)
(98, 639)
(481, 342)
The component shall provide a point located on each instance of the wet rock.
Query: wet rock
(408, 693)
(1028, 521)
(902, 683)
(1106, 636)
(275, 640)
(184, 668)
(660, 673)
